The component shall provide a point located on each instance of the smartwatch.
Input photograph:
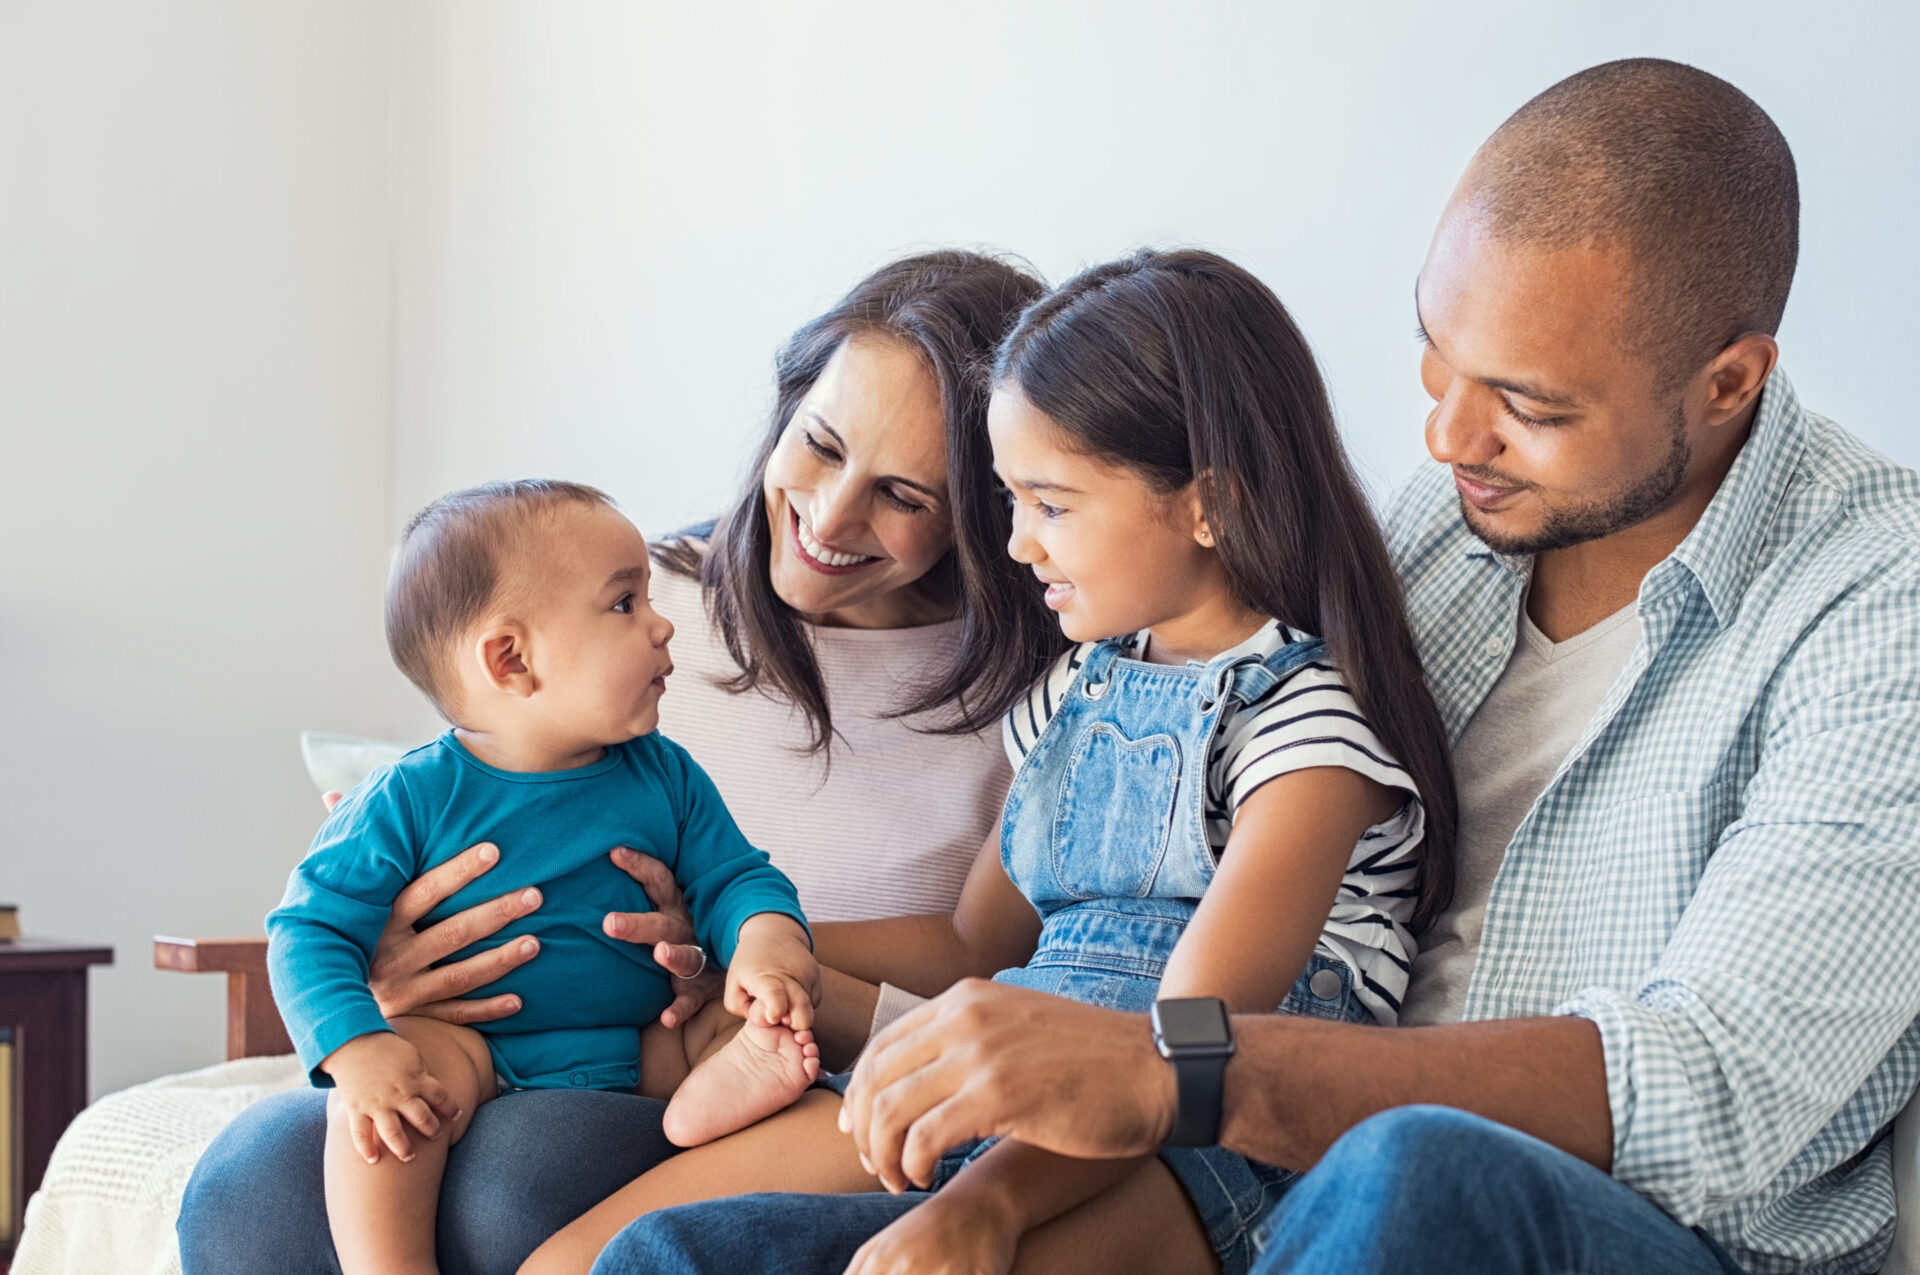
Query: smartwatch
(1194, 1035)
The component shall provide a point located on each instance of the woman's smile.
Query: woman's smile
(820, 557)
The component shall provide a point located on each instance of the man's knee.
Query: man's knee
(1421, 1142)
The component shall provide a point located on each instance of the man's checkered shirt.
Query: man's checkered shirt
(1724, 874)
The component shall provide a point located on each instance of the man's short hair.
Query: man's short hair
(1678, 167)
(450, 569)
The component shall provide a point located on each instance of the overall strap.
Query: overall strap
(1247, 679)
(1098, 666)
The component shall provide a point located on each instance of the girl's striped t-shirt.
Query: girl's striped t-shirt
(1307, 720)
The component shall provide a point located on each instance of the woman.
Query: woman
(852, 628)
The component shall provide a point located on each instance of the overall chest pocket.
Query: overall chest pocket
(1115, 815)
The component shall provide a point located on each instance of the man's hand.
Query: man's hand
(774, 978)
(382, 1084)
(670, 930)
(983, 1059)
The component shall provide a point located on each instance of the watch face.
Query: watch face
(1192, 1024)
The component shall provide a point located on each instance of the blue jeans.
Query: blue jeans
(531, 1162)
(1424, 1189)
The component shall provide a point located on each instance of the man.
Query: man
(1671, 621)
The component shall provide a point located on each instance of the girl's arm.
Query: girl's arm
(992, 928)
(1247, 943)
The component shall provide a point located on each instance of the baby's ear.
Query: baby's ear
(502, 654)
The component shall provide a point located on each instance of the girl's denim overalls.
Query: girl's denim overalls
(1105, 833)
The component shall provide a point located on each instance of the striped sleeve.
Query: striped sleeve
(1308, 720)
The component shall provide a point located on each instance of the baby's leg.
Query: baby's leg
(723, 1073)
(799, 1149)
(382, 1214)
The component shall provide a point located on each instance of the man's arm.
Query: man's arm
(988, 1059)
(1543, 1076)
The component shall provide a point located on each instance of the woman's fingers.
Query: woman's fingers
(438, 884)
(331, 799)
(655, 877)
(648, 927)
(684, 1006)
(439, 941)
(402, 984)
(464, 1013)
(682, 960)
(461, 977)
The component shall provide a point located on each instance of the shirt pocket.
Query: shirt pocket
(1115, 814)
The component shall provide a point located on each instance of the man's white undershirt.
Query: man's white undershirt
(1525, 728)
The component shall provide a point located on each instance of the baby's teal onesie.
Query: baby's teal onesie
(585, 997)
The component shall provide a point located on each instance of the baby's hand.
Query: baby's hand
(382, 1084)
(773, 978)
(946, 1235)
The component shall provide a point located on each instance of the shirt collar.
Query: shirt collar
(1267, 639)
(1722, 548)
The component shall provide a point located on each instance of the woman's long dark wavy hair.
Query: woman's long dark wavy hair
(953, 307)
(1182, 365)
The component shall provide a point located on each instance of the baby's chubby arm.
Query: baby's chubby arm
(382, 1084)
(773, 977)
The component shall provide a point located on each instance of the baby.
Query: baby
(521, 610)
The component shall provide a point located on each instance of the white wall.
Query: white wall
(275, 272)
(195, 356)
(613, 212)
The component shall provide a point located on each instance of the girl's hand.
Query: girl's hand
(950, 1234)
(670, 929)
(382, 1085)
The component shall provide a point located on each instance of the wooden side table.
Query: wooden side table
(43, 998)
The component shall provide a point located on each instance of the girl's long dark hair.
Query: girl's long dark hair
(953, 307)
(1182, 366)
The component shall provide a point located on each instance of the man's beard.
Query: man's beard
(1648, 495)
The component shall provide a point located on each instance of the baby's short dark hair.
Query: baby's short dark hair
(449, 570)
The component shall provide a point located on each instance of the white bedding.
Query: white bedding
(113, 1187)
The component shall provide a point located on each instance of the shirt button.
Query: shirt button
(578, 1079)
(1325, 984)
(1494, 649)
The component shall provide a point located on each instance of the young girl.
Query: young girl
(1235, 786)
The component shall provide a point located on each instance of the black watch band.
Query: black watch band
(1195, 1037)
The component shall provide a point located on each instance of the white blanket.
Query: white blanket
(113, 1187)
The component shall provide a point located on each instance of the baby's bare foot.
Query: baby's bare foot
(758, 1072)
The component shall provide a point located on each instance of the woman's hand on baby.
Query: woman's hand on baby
(382, 1085)
(950, 1234)
(773, 978)
(670, 929)
(403, 977)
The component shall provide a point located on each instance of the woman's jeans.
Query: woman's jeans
(1424, 1189)
(531, 1162)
